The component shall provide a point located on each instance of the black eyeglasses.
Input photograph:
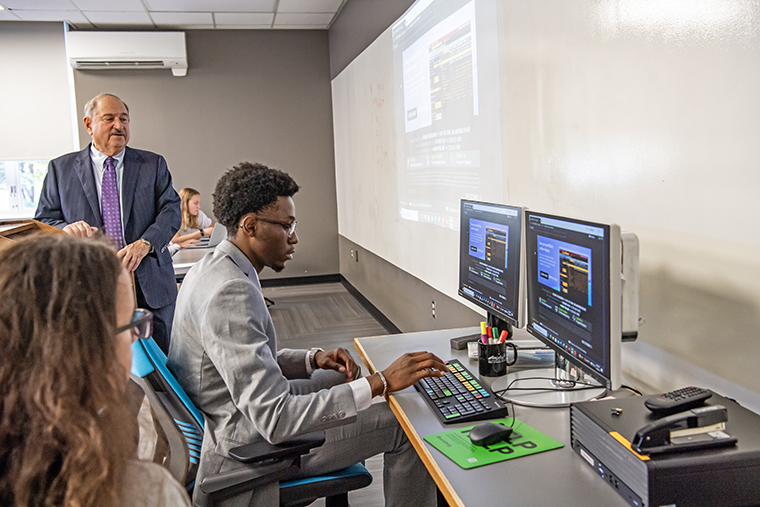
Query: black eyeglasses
(141, 324)
(290, 227)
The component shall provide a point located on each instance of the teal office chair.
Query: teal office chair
(182, 423)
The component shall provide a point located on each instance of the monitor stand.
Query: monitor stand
(546, 387)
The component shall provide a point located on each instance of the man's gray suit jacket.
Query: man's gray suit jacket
(224, 354)
(149, 203)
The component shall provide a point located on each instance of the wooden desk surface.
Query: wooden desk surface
(557, 477)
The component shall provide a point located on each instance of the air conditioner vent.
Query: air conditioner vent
(83, 64)
(127, 50)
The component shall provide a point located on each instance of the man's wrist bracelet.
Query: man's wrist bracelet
(385, 383)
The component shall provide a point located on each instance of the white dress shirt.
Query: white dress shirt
(360, 387)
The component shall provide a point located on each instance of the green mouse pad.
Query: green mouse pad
(456, 445)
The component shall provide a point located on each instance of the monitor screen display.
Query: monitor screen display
(489, 258)
(571, 293)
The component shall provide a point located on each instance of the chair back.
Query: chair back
(179, 418)
(182, 423)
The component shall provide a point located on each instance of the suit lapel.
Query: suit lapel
(83, 168)
(129, 182)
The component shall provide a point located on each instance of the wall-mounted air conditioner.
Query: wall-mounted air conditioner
(127, 50)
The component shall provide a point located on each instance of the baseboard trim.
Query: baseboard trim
(384, 321)
(301, 280)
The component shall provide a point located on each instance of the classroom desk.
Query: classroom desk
(557, 477)
(185, 258)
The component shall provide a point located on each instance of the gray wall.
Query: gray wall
(260, 96)
(359, 23)
(403, 298)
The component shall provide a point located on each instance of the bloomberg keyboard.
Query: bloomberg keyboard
(458, 397)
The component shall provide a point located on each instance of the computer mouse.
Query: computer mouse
(484, 434)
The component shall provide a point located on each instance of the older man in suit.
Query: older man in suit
(224, 353)
(126, 192)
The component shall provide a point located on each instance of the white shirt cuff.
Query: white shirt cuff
(362, 393)
(309, 370)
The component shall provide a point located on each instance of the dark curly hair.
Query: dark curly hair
(249, 188)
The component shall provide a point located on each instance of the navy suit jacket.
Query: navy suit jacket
(149, 203)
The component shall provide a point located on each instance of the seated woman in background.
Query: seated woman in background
(67, 323)
(195, 223)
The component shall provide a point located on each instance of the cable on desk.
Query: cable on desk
(511, 409)
(572, 385)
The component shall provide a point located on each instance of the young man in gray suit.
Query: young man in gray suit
(127, 193)
(224, 354)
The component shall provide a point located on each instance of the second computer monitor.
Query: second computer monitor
(490, 259)
(574, 295)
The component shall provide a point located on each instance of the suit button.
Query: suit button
(324, 418)
(341, 414)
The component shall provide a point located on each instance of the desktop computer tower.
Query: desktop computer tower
(601, 432)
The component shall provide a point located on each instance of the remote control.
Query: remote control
(678, 400)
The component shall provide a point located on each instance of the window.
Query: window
(20, 186)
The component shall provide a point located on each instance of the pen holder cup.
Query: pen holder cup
(492, 359)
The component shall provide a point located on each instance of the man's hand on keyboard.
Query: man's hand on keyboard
(408, 369)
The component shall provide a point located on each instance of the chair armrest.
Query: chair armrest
(262, 451)
(266, 463)
(214, 488)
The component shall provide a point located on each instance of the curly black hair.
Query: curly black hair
(249, 188)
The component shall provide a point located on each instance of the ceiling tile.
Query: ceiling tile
(8, 16)
(72, 16)
(309, 5)
(118, 18)
(82, 26)
(39, 5)
(243, 27)
(109, 5)
(286, 18)
(299, 27)
(211, 5)
(182, 26)
(182, 18)
(227, 19)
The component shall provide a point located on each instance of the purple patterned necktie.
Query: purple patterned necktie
(109, 203)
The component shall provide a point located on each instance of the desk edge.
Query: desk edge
(418, 443)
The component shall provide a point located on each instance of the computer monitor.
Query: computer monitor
(574, 279)
(490, 260)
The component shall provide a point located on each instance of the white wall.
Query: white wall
(638, 112)
(647, 114)
(35, 92)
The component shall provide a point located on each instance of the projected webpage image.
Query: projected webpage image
(489, 276)
(447, 107)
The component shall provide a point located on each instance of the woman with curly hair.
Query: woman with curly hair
(67, 322)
